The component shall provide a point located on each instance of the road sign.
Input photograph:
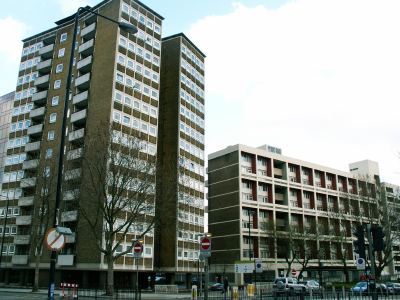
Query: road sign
(137, 249)
(205, 246)
(54, 240)
(247, 267)
(259, 268)
(294, 272)
(360, 263)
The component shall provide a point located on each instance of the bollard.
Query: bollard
(194, 292)
(235, 293)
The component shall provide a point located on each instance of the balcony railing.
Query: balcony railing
(46, 51)
(19, 259)
(76, 135)
(37, 113)
(89, 31)
(28, 182)
(26, 201)
(23, 220)
(44, 67)
(81, 99)
(30, 164)
(40, 98)
(79, 117)
(83, 82)
(85, 64)
(32, 147)
(69, 216)
(87, 47)
(43, 81)
(22, 239)
(35, 130)
(74, 154)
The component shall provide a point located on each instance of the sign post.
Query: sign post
(205, 251)
(137, 253)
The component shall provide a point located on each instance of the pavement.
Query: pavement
(25, 293)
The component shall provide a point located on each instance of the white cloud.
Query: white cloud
(11, 31)
(69, 7)
(318, 78)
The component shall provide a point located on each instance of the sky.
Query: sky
(317, 78)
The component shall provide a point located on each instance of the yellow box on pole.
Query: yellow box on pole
(250, 290)
(235, 293)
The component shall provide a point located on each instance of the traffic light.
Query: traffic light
(378, 238)
(359, 244)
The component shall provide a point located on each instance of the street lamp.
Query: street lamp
(123, 26)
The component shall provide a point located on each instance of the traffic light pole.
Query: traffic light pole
(372, 258)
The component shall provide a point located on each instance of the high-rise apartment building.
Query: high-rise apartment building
(265, 205)
(6, 104)
(116, 84)
(180, 188)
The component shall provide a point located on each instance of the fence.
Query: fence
(326, 295)
(101, 294)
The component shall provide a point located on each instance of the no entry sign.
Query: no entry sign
(137, 249)
(205, 246)
(54, 240)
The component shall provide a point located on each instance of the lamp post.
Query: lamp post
(124, 26)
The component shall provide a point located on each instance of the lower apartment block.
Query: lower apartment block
(280, 210)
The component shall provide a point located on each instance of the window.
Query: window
(50, 135)
(57, 84)
(118, 97)
(126, 120)
(63, 37)
(59, 68)
(54, 100)
(53, 117)
(49, 153)
(61, 52)
(120, 78)
(46, 172)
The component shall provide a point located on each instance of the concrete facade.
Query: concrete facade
(261, 203)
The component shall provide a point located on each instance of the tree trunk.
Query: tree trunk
(110, 275)
(35, 287)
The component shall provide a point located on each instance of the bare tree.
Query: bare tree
(120, 179)
(41, 214)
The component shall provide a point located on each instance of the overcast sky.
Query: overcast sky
(318, 78)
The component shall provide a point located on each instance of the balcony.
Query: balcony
(76, 135)
(19, 259)
(32, 147)
(83, 82)
(37, 114)
(85, 65)
(69, 216)
(46, 51)
(23, 220)
(71, 195)
(22, 239)
(73, 174)
(74, 154)
(25, 201)
(40, 98)
(70, 239)
(35, 130)
(89, 31)
(65, 260)
(42, 82)
(28, 182)
(30, 164)
(87, 48)
(79, 117)
(44, 67)
(81, 99)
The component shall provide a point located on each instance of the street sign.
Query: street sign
(247, 267)
(294, 272)
(205, 246)
(54, 240)
(360, 263)
(137, 249)
(259, 268)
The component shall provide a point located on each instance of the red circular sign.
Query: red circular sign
(138, 248)
(294, 272)
(205, 244)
